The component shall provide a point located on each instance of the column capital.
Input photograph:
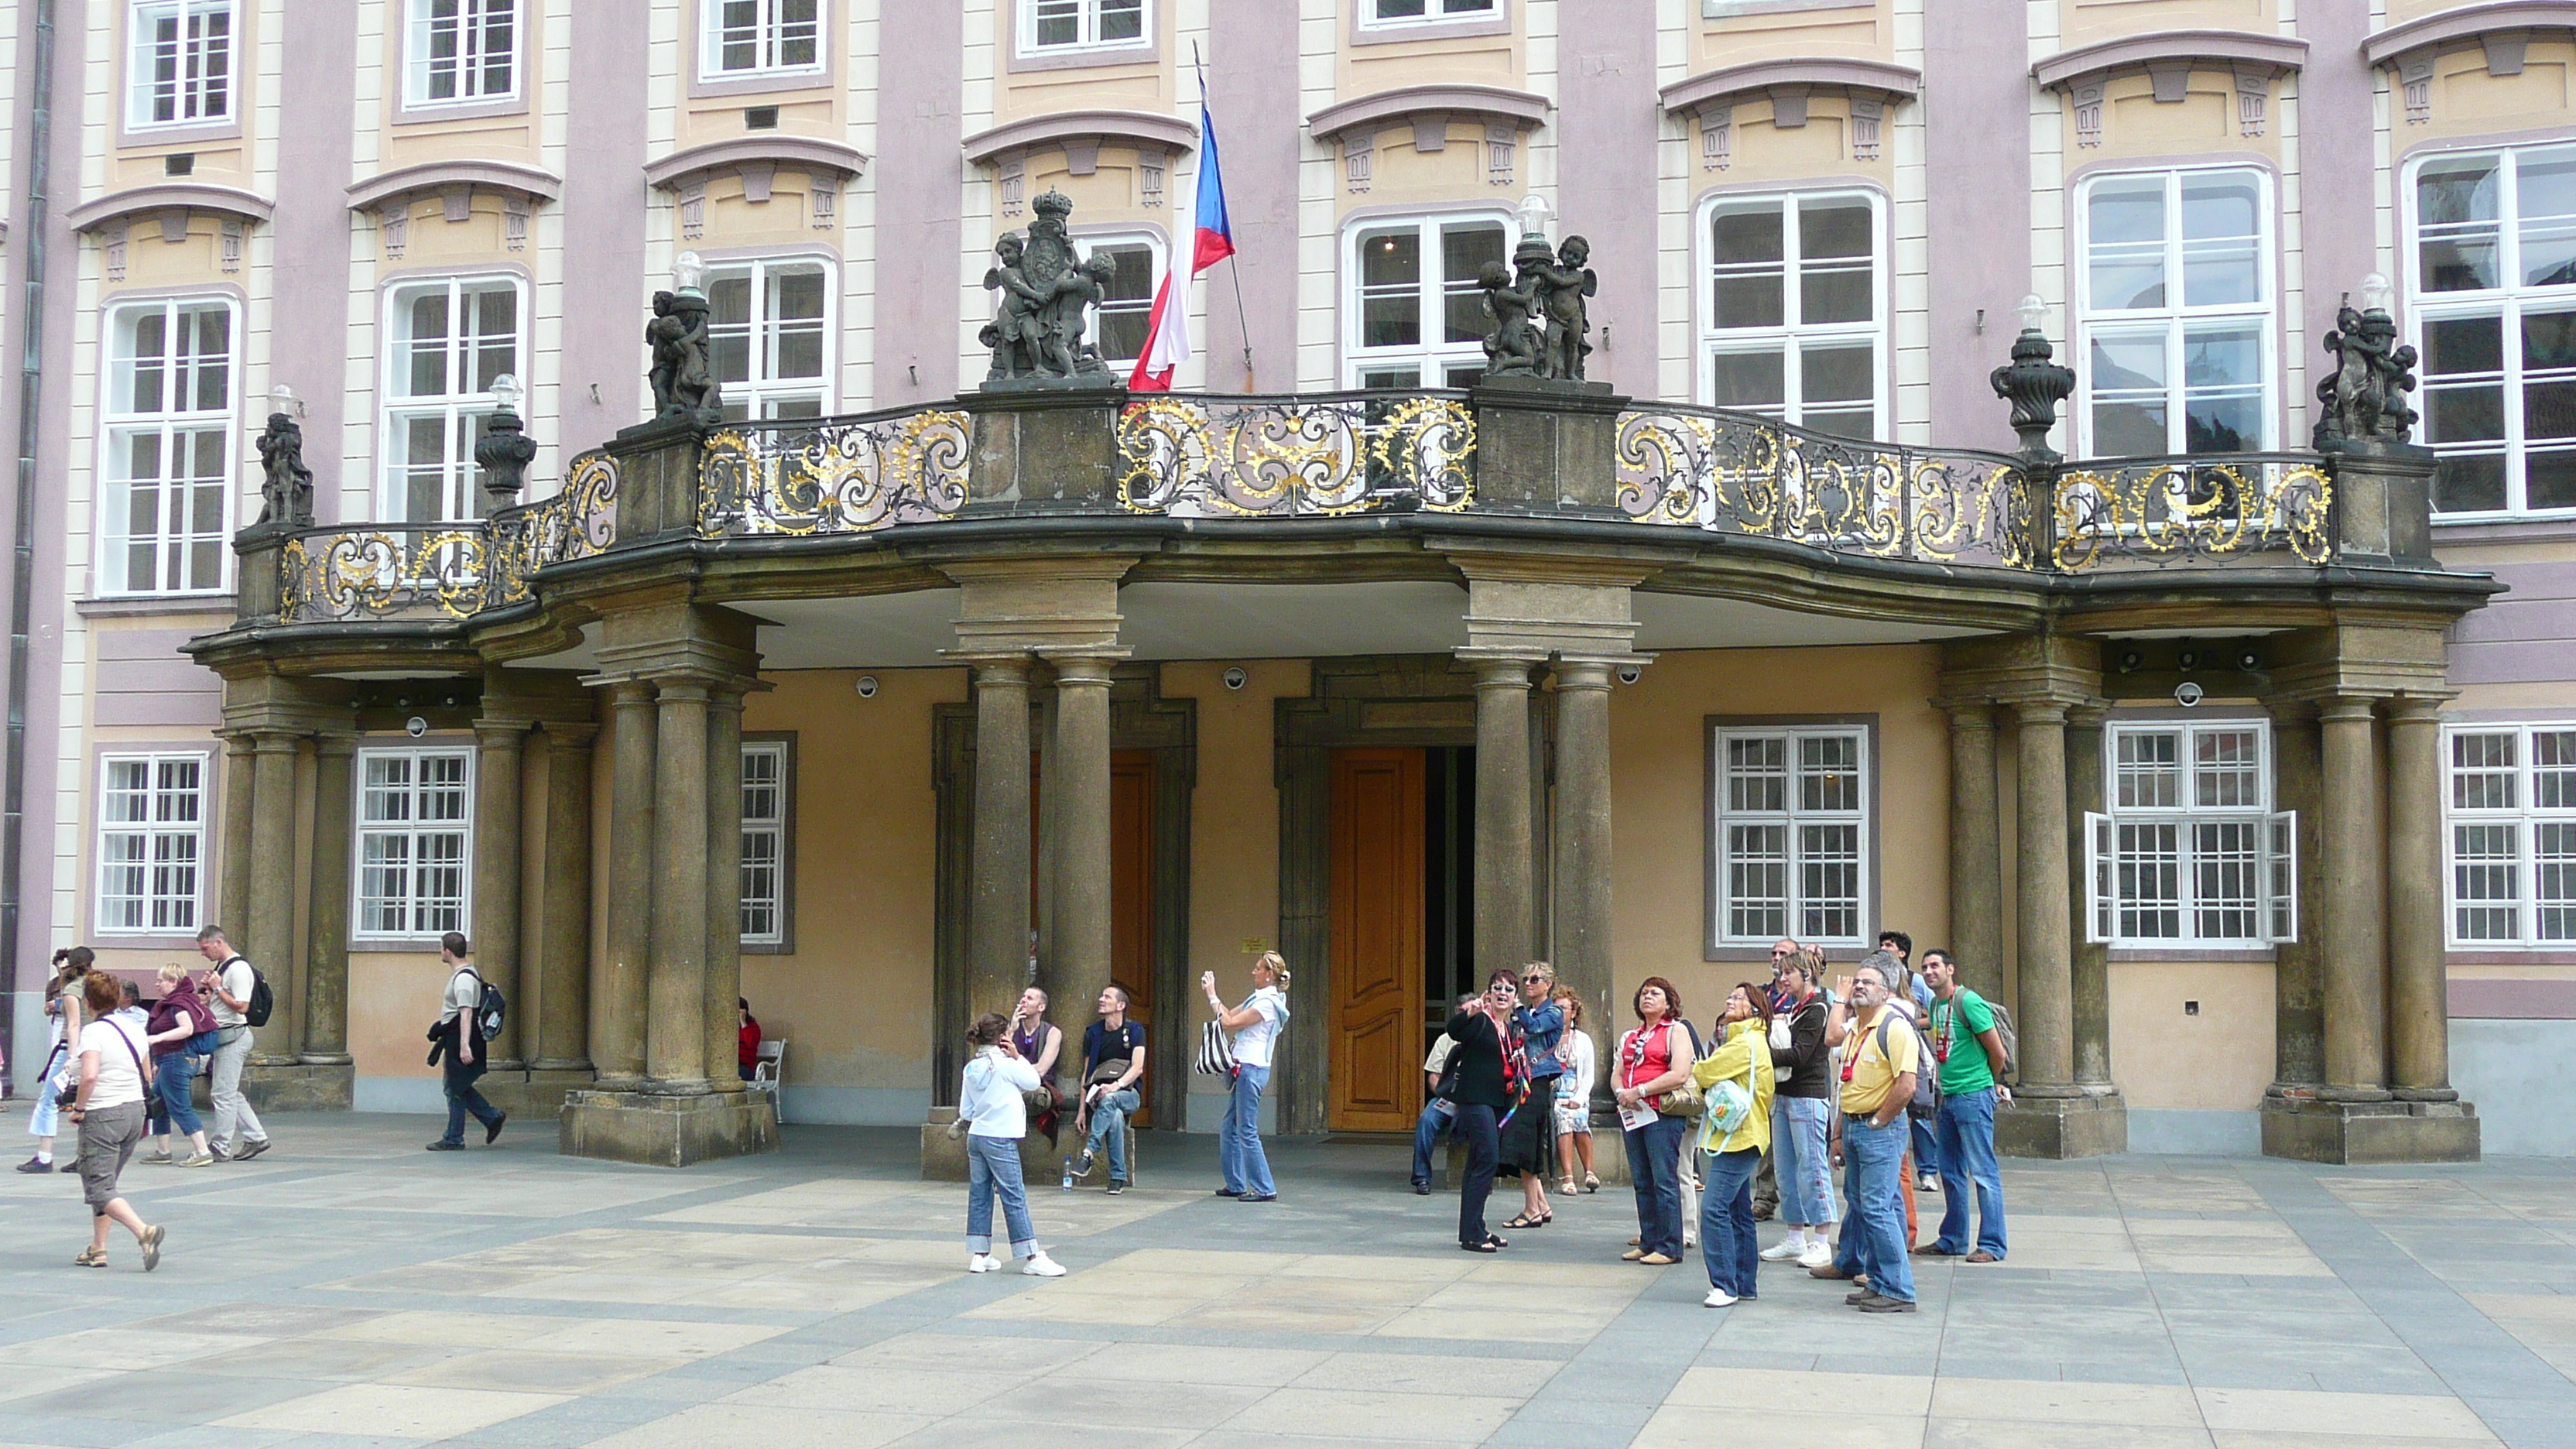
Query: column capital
(494, 734)
(1590, 670)
(2092, 714)
(2346, 708)
(1090, 666)
(626, 690)
(686, 689)
(1011, 666)
(569, 734)
(1502, 668)
(1966, 711)
(270, 741)
(2418, 708)
(336, 744)
(2041, 711)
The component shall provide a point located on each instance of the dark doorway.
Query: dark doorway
(1448, 883)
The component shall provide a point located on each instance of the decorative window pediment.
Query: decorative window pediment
(1080, 135)
(828, 166)
(2167, 58)
(176, 196)
(1419, 116)
(1869, 86)
(2502, 29)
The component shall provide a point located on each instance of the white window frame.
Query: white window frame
(1432, 358)
(778, 829)
(118, 425)
(2525, 816)
(458, 411)
(2274, 862)
(1434, 12)
(1160, 257)
(412, 831)
(1087, 29)
(185, 910)
(2175, 318)
(758, 392)
(142, 55)
(1793, 334)
(2506, 303)
(473, 23)
(1795, 859)
(770, 30)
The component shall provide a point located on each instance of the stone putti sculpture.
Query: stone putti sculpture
(286, 485)
(2363, 400)
(1542, 323)
(1040, 326)
(683, 376)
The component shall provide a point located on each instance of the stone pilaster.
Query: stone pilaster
(675, 1030)
(618, 1005)
(272, 890)
(1976, 844)
(241, 786)
(2419, 1026)
(2356, 950)
(1080, 833)
(563, 961)
(2047, 987)
(724, 883)
(2298, 1000)
(2090, 961)
(1584, 914)
(1504, 914)
(498, 745)
(997, 952)
(326, 948)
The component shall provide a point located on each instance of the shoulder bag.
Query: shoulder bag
(1216, 1058)
(1685, 1100)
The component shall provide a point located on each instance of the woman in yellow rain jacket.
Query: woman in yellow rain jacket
(1735, 1077)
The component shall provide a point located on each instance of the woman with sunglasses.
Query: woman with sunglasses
(1655, 1057)
(1482, 1060)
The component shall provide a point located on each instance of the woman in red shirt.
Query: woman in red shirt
(748, 1050)
(1654, 1058)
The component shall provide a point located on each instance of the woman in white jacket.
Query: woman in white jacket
(997, 1117)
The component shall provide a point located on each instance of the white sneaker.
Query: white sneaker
(981, 1263)
(1040, 1265)
(1817, 1255)
(1718, 1298)
(1926, 1182)
(1783, 1250)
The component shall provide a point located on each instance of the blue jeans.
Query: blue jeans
(174, 1076)
(458, 1082)
(1109, 1122)
(1927, 1147)
(1476, 1129)
(1802, 1160)
(993, 1166)
(1968, 1153)
(1436, 1122)
(1654, 1166)
(1726, 1241)
(1873, 1236)
(1238, 1137)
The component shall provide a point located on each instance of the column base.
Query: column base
(658, 1130)
(943, 1159)
(2090, 1123)
(2307, 1129)
(291, 1086)
(532, 1096)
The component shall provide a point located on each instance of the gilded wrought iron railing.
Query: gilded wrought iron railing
(1319, 455)
(2194, 508)
(384, 571)
(833, 475)
(577, 522)
(1731, 472)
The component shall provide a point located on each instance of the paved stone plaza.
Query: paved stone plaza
(350, 1289)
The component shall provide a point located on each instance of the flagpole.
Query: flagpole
(1242, 319)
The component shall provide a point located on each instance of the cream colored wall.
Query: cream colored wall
(1449, 179)
(1433, 59)
(2088, 21)
(2135, 125)
(1865, 32)
(2218, 1060)
(1110, 196)
(1136, 85)
(225, 161)
(2469, 102)
(1819, 151)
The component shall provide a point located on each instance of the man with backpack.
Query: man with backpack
(1969, 1048)
(459, 1037)
(241, 1006)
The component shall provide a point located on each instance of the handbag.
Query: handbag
(1686, 1100)
(1782, 1041)
(70, 1095)
(1216, 1058)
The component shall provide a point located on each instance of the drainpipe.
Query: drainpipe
(22, 513)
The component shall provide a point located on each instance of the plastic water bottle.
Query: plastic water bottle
(1068, 1174)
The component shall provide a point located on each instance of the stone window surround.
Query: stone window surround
(390, 283)
(1144, 234)
(210, 772)
(719, 259)
(1346, 303)
(2502, 28)
(1015, 59)
(1703, 263)
(522, 70)
(436, 742)
(785, 742)
(2526, 813)
(2172, 717)
(2170, 56)
(1714, 946)
(218, 600)
(110, 311)
(825, 76)
(178, 134)
(1364, 31)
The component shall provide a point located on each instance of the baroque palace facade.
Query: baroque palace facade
(2245, 772)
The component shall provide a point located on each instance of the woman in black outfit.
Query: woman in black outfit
(1483, 1091)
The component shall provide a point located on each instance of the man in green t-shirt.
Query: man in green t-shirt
(1971, 1055)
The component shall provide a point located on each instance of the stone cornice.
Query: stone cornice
(168, 196)
(1144, 130)
(2069, 68)
(437, 176)
(776, 149)
(2466, 23)
(1719, 87)
(1486, 103)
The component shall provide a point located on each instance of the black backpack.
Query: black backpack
(490, 1008)
(262, 1002)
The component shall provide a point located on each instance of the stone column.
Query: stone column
(1079, 832)
(1976, 843)
(1582, 885)
(617, 1007)
(326, 948)
(232, 903)
(2298, 993)
(563, 962)
(2090, 973)
(675, 1029)
(496, 874)
(724, 884)
(2047, 989)
(997, 928)
(272, 888)
(2356, 957)
(2419, 1022)
(1504, 919)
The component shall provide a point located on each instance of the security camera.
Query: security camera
(1630, 674)
(2187, 694)
(1235, 678)
(415, 727)
(867, 686)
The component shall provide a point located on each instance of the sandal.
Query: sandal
(1591, 1183)
(1526, 1221)
(1487, 1246)
(90, 1258)
(1565, 1187)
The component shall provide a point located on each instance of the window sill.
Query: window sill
(149, 605)
(760, 83)
(1085, 57)
(1445, 27)
(422, 113)
(1762, 952)
(2504, 528)
(115, 941)
(2137, 955)
(133, 137)
(382, 946)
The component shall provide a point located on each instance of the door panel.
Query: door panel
(1131, 890)
(1377, 940)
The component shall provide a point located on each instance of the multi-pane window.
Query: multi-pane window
(764, 842)
(450, 338)
(1792, 834)
(2492, 301)
(1401, 12)
(179, 70)
(1127, 302)
(770, 333)
(2174, 313)
(1415, 316)
(2512, 813)
(2190, 851)
(415, 840)
(1794, 327)
(462, 50)
(168, 447)
(151, 842)
(755, 37)
(1061, 25)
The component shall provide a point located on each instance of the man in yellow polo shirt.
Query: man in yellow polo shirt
(1881, 1056)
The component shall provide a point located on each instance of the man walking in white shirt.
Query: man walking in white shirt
(229, 987)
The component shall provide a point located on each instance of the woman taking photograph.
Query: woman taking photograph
(993, 1104)
(1736, 1080)
(1802, 1113)
(1528, 1130)
(1481, 1066)
(108, 1114)
(1256, 1025)
(1654, 1058)
(178, 1021)
(1574, 1095)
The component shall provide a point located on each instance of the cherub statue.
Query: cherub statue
(1561, 288)
(684, 379)
(1018, 332)
(2364, 398)
(1078, 291)
(663, 335)
(286, 485)
(1512, 349)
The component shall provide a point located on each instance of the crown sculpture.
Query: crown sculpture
(1038, 329)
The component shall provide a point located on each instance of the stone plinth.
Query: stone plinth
(943, 1159)
(533, 1096)
(297, 1087)
(666, 1131)
(2060, 1127)
(2357, 1133)
(1545, 445)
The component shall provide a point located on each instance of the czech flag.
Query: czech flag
(1167, 328)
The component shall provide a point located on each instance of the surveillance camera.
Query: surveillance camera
(1630, 674)
(1236, 678)
(867, 686)
(415, 727)
(2187, 694)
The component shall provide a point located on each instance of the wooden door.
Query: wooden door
(1131, 888)
(1376, 1043)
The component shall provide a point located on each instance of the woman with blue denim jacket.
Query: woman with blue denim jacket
(1528, 1142)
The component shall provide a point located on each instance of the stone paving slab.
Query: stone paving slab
(347, 1290)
